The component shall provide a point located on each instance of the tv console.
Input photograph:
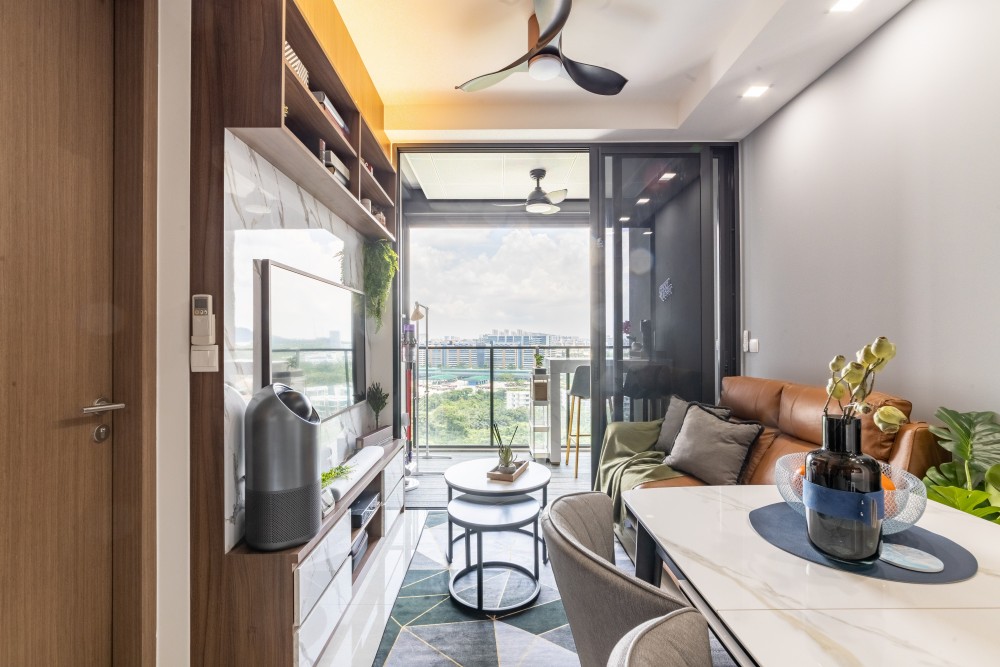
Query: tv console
(281, 607)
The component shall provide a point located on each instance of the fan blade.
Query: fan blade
(557, 196)
(521, 204)
(487, 80)
(552, 16)
(594, 79)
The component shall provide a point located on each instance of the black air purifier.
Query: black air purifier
(283, 469)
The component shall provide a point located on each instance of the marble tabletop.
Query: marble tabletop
(785, 610)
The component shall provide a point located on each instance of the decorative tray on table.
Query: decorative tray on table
(498, 476)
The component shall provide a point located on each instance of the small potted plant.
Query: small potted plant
(505, 453)
(539, 362)
(377, 400)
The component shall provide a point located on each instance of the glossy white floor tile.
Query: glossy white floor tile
(356, 640)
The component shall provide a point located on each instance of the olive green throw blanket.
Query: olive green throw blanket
(628, 460)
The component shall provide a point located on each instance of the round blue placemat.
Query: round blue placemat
(785, 528)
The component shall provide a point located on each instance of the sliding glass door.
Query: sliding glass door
(664, 278)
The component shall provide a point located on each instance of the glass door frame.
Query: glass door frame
(721, 307)
(719, 168)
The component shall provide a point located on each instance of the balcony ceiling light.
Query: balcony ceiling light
(667, 176)
(842, 6)
(642, 200)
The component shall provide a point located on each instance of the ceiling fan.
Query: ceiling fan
(539, 201)
(545, 59)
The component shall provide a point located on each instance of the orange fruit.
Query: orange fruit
(801, 471)
(887, 484)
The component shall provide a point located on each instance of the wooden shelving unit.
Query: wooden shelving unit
(293, 146)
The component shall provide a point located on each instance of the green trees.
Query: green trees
(462, 417)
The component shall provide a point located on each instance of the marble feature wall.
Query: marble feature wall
(268, 216)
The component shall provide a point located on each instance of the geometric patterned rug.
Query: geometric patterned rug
(427, 628)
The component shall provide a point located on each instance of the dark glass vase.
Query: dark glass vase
(843, 495)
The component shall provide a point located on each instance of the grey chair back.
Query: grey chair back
(581, 383)
(602, 603)
(678, 639)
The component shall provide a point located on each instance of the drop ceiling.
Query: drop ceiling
(688, 63)
(495, 176)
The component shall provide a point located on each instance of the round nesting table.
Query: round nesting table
(483, 514)
(470, 477)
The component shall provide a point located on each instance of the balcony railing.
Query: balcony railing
(463, 389)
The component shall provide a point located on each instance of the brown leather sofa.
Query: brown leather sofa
(792, 417)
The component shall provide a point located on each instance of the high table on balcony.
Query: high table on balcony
(771, 608)
(557, 367)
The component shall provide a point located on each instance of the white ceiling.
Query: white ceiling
(486, 176)
(687, 61)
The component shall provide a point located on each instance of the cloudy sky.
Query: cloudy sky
(476, 280)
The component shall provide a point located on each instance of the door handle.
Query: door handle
(102, 405)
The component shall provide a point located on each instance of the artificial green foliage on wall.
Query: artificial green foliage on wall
(380, 266)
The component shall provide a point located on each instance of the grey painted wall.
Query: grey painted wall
(871, 207)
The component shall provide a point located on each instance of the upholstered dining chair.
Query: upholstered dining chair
(673, 640)
(603, 604)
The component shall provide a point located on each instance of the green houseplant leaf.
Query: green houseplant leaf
(976, 503)
(946, 474)
(380, 266)
(993, 484)
(973, 438)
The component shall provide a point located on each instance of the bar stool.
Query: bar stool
(578, 392)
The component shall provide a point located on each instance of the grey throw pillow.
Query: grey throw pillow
(712, 448)
(674, 418)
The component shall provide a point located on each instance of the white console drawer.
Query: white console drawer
(315, 573)
(312, 636)
(393, 505)
(393, 473)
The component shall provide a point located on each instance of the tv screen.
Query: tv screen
(311, 336)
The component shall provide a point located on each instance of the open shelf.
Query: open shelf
(371, 188)
(281, 147)
(306, 117)
(357, 531)
(322, 74)
(366, 560)
(372, 151)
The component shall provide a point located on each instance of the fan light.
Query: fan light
(544, 67)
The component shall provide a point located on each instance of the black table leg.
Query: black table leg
(648, 564)
(479, 570)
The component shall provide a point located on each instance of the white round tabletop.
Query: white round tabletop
(470, 477)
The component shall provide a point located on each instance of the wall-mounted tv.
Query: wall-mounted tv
(310, 335)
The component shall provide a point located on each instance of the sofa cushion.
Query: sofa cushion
(800, 412)
(783, 444)
(873, 441)
(752, 398)
(672, 421)
(757, 452)
(710, 447)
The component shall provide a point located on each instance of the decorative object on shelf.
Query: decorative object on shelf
(336, 472)
(300, 71)
(380, 265)
(377, 399)
(331, 110)
(505, 453)
(842, 490)
(380, 216)
(971, 481)
(379, 436)
(366, 204)
(905, 495)
(368, 167)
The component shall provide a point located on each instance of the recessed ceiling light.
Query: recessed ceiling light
(667, 176)
(642, 200)
(845, 5)
(755, 91)
(648, 232)
(624, 218)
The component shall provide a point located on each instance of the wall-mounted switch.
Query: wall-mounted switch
(204, 358)
(746, 340)
(754, 345)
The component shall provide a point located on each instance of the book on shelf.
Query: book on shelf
(327, 103)
(340, 178)
(331, 161)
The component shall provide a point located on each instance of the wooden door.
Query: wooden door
(56, 326)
